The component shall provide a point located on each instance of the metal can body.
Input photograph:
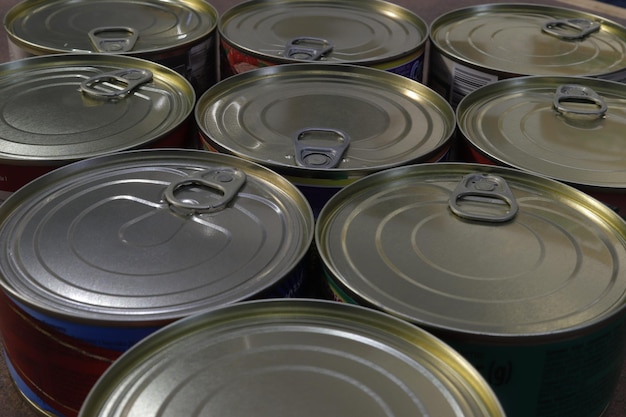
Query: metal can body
(326, 125)
(475, 46)
(372, 33)
(104, 251)
(58, 109)
(567, 128)
(291, 357)
(520, 273)
(181, 35)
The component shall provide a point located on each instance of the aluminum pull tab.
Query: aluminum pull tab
(307, 48)
(318, 153)
(571, 29)
(483, 197)
(204, 192)
(567, 97)
(116, 84)
(113, 39)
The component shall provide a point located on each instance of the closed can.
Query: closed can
(371, 33)
(180, 34)
(100, 253)
(567, 128)
(520, 273)
(325, 125)
(291, 357)
(477, 45)
(58, 109)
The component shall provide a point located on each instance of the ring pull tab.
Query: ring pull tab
(204, 192)
(307, 48)
(116, 84)
(318, 153)
(113, 39)
(571, 29)
(575, 99)
(483, 197)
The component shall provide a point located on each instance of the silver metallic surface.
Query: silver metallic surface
(291, 357)
(362, 119)
(366, 32)
(150, 236)
(47, 118)
(510, 39)
(567, 128)
(391, 240)
(115, 26)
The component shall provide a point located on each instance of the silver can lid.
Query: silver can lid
(108, 26)
(531, 39)
(150, 236)
(477, 249)
(325, 120)
(280, 358)
(567, 128)
(365, 32)
(61, 108)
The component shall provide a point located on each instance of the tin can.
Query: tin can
(292, 357)
(102, 252)
(518, 272)
(567, 128)
(474, 46)
(325, 125)
(373, 33)
(58, 109)
(180, 34)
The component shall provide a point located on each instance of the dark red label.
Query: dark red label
(60, 370)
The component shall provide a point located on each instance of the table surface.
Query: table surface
(12, 404)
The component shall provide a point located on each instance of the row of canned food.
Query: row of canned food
(322, 126)
(377, 215)
(520, 273)
(180, 281)
(469, 47)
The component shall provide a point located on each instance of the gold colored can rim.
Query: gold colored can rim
(111, 26)
(65, 107)
(567, 128)
(364, 32)
(149, 236)
(476, 249)
(294, 357)
(530, 39)
(361, 119)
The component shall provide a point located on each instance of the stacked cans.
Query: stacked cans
(181, 35)
(475, 46)
(339, 223)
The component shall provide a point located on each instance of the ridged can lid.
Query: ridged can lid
(531, 39)
(325, 120)
(149, 236)
(291, 357)
(567, 128)
(364, 32)
(109, 26)
(475, 249)
(65, 107)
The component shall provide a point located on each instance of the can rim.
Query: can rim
(464, 112)
(395, 81)
(597, 210)
(497, 7)
(420, 23)
(293, 312)
(70, 172)
(168, 78)
(33, 47)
